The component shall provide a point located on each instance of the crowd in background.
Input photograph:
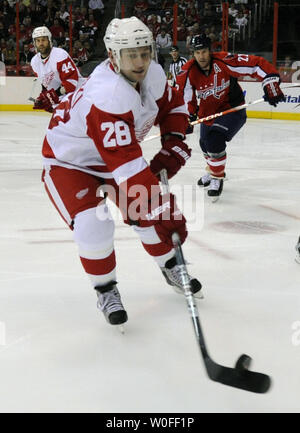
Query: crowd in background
(86, 22)
(194, 17)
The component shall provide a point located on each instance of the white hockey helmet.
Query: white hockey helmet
(127, 33)
(39, 32)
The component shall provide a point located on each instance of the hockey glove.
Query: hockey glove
(190, 128)
(46, 100)
(273, 93)
(172, 156)
(162, 212)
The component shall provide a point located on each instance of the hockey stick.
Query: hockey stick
(237, 377)
(223, 113)
(30, 97)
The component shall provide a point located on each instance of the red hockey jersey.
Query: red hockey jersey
(219, 90)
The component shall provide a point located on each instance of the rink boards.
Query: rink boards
(15, 91)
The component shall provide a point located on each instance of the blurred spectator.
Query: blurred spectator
(80, 54)
(88, 32)
(181, 29)
(233, 11)
(163, 39)
(167, 5)
(93, 23)
(10, 55)
(12, 30)
(57, 31)
(3, 50)
(181, 7)
(26, 55)
(240, 20)
(64, 14)
(154, 5)
(141, 16)
(3, 31)
(216, 44)
(168, 21)
(97, 7)
(190, 21)
(140, 6)
(154, 25)
(207, 13)
(24, 35)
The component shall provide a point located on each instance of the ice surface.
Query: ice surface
(58, 354)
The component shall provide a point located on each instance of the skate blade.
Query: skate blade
(215, 199)
(121, 328)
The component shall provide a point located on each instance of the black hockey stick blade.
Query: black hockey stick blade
(238, 378)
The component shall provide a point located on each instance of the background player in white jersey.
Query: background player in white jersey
(55, 69)
(92, 146)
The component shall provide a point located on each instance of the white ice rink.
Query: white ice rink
(57, 353)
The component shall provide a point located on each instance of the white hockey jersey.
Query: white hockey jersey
(57, 70)
(98, 128)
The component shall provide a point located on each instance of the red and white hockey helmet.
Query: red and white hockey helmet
(39, 32)
(127, 33)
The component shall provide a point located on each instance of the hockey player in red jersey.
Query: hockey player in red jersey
(92, 150)
(209, 82)
(55, 69)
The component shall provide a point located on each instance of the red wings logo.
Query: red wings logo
(47, 79)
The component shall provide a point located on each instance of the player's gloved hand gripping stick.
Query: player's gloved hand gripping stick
(237, 377)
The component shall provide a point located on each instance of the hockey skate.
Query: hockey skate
(172, 275)
(297, 258)
(215, 189)
(109, 302)
(204, 180)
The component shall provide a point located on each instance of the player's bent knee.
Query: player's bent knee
(90, 231)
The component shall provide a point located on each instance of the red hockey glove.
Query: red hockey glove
(162, 212)
(273, 93)
(172, 156)
(46, 100)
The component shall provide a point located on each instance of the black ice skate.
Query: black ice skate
(215, 188)
(109, 302)
(204, 180)
(297, 258)
(172, 275)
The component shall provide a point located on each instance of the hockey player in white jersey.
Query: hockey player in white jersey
(55, 69)
(92, 145)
